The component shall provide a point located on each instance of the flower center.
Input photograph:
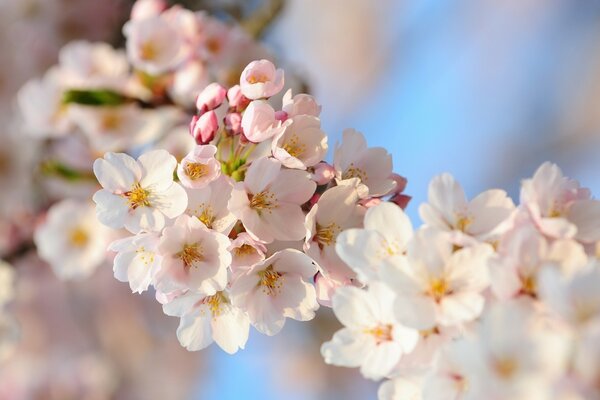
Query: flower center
(111, 122)
(438, 288)
(196, 170)
(270, 281)
(326, 235)
(244, 250)
(207, 217)
(147, 257)
(382, 333)
(257, 78)
(355, 172)
(505, 367)
(148, 51)
(190, 254)
(215, 303)
(529, 286)
(264, 200)
(463, 222)
(138, 197)
(78, 237)
(294, 147)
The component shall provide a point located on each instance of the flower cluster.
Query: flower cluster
(99, 99)
(486, 300)
(242, 230)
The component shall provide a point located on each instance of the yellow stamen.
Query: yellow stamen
(294, 147)
(355, 172)
(244, 250)
(190, 254)
(148, 51)
(505, 367)
(78, 237)
(529, 286)
(382, 333)
(326, 235)
(258, 78)
(438, 288)
(138, 196)
(207, 217)
(264, 200)
(146, 257)
(463, 223)
(270, 281)
(215, 303)
(196, 170)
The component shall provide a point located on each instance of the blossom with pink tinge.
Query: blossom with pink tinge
(260, 79)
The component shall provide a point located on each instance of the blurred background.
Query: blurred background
(483, 89)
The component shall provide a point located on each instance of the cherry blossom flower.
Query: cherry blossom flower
(335, 211)
(40, 103)
(245, 252)
(268, 201)
(209, 205)
(193, 257)
(522, 253)
(205, 319)
(111, 128)
(436, 285)
(559, 207)
(154, 45)
(258, 122)
(383, 240)
(260, 79)
(71, 240)
(93, 65)
(372, 338)
(137, 260)
(449, 210)
(372, 167)
(515, 363)
(575, 299)
(275, 289)
(138, 195)
(199, 167)
(301, 144)
(300, 104)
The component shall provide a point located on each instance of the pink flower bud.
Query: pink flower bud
(401, 200)
(204, 128)
(281, 116)
(236, 99)
(260, 79)
(211, 97)
(233, 123)
(323, 173)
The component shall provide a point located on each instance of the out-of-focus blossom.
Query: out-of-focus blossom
(71, 240)
(372, 338)
(449, 210)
